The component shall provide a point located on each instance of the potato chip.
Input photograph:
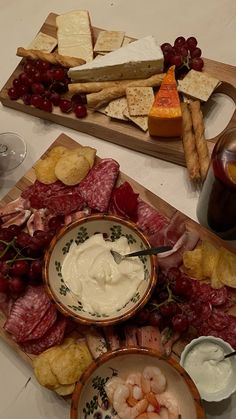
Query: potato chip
(192, 260)
(45, 170)
(71, 169)
(226, 267)
(88, 152)
(210, 255)
(42, 367)
(57, 152)
(68, 366)
(65, 390)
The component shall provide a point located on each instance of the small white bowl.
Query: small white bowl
(231, 387)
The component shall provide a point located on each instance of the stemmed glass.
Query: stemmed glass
(12, 151)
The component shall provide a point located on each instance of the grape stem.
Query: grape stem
(18, 252)
(169, 299)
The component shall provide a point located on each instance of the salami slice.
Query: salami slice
(124, 201)
(65, 203)
(219, 320)
(27, 312)
(54, 336)
(219, 296)
(96, 188)
(149, 219)
(45, 324)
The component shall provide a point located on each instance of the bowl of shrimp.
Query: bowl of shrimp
(136, 383)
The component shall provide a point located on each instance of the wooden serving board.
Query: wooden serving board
(162, 206)
(123, 133)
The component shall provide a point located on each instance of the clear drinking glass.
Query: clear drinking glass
(12, 151)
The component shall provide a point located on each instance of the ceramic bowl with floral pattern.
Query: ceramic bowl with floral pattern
(112, 228)
(90, 399)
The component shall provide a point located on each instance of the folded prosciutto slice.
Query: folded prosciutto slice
(150, 337)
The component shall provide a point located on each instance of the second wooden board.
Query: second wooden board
(122, 133)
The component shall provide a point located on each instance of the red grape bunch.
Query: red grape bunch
(43, 86)
(184, 54)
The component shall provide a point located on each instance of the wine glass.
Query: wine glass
(12, 151)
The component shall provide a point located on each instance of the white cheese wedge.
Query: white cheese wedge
(137, 60)
(74, 35)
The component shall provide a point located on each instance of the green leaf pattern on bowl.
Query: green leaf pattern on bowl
(116, 232)
(100, 398)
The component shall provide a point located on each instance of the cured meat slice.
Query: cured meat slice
(19, 218)
(27, 312)
(175, 228)
(15, 206)
(37, 221)
(174, 257)
(112, 337)
(64, 204)
(74, 216)
(149, 219)
(47, 321)
(96, 188)
(130, 336)
(170, 342)
(124, 201)
(150, 337)
(54, 336)
(96, 342)
(218, 320)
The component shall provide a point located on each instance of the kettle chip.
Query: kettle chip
(71, 169)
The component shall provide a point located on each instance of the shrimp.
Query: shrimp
(111, 385)
(134, 379)
(124, 411)
(153, 380)
(168, 401)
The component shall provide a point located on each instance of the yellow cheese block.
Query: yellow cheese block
(165, 117)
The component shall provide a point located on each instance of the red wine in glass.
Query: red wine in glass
(12, 151)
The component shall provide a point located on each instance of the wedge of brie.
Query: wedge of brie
(137, 60)
(74, 35)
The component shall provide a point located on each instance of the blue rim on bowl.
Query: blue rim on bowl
(79, 230)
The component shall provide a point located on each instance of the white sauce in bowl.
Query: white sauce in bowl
(206, 366)
(90, 272)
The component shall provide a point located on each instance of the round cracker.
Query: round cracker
(71, 169)
(45, 170)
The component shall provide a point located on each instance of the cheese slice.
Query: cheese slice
(138, 60)
(165, 116)
(74, 35)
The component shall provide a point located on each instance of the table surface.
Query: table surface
(213, 22)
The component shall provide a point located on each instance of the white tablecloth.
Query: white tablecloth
(213, 22)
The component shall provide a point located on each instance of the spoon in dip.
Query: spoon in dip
(151, 251)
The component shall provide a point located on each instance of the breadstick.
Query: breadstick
(94, 86)
(201, 143)
(98, 99)
(189, 146)
(51, 57)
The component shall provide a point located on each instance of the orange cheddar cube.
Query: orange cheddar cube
(165, 116)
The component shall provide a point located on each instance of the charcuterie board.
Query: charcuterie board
(120, 132)
(146, 195)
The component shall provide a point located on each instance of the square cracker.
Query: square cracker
(198, 85)
(140, 121)
(109, 41)
(116, 108)
(140, 100)
(43, 42)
